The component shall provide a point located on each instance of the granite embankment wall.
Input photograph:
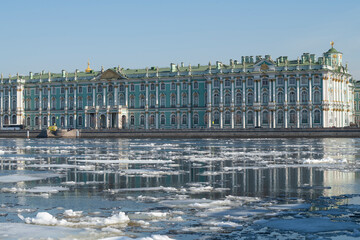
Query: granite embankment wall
(190, 133)
(224, 133)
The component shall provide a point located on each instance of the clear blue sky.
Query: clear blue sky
(55, 35)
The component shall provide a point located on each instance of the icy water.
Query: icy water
(179, 189)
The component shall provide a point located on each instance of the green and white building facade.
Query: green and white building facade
(253, 92)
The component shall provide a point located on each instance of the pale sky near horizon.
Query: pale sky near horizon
(54, 35)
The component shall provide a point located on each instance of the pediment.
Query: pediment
(110, 74)
(264, 65)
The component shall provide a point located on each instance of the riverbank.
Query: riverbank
(189, 133)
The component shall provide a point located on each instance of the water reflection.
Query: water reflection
(302, 168)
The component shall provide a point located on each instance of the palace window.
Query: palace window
(227, 83)
(142, 87)
(110, 100)
(80, 103)
(304, 116)
(280, 97)
(238, 99)
(121, 88)
(292, 97)
(227, 99)
(265, 117)
(53, 103)
(37, 104)
(238, 117)
(37, 91)
(132, 120)
(89, 101)
(152, 87)
(89, 89)
(250, 117)
(316, 80)
(45, 121)
(121, 99)
(265, 82)
(196, 85)
(250, 82)
(172, 86)
(132, 87)
(238, 82)
(99, 100)
(142, 120)
(173, 100)
(184, 100)
(280, 117)
(196, 100)
(71, 90)
(184, 119)
(292, 115)
(304, 97)
(44, 104)
(110, 88)
(173, 119)
(196, 119)
(162, 86)
(292, 81)
(53, 90)
(99, 88)
(162, 101)
(317, 98)
(227, 117)
(317, 115)
(151, 119)
(216, 99)
(62, 90)
(184, 85)
(142, 101)
(162, 119)
(304, 80)
(216, 118)
(132, 102)
(265, 98)
(71, 121)
(62, 103)
(216, 83)
(152, 101)
(250, 98)
(80, 89)
(80, 121)
(45, 90)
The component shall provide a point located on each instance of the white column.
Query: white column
(104, 95)
(221, 103)
(126, 94)
(209, 94)
(94, 96)
(189, 119)
(274, 119)
(232, 103)
(189, 103)
(244, 102)
(116, 90)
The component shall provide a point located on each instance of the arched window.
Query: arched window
(184, 100)
(80, 103)
(196, 119)
(142, 101)
(132, 120)
(13, 104)
(53, 121)
(110, 88)
(250, 82)
(162, 86)
(44, 104)
(317, 97)
(216, 83)
(45, 121)
(304, 116)
(152, 101)
(80, 121)
(53, 103)
(227, 99)
(99, 100)
(196, 85)
(110, 100)
(292, 115)
(173, 100)
(121, 99)
(184, 119)
(173, 119)
(6, 105)
(62, 103)
(142, 120)
(162, 119)
(265, 117)
(316, 80)
(238, 117)
(132, 102)
(162, 101)
(280, 97)
(238, 99)
(28, 123)
(216, 99)
(71, 103)
(71, 121)
(250, 117)
(62, 121)
(265, 97)
(142, 87)
(292, 97)
(206, 119)
(151, 119)
(90, 101)
(227, 117)
(37, 104)
(196, 100)
(280, 117)
(216, 118)
(250, 98)
(6, 119)
(99, 88)
(36, 121)
(317, 116)
(121, 88)
(304, 97)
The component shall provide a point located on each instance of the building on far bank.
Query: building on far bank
(357, 102)
(258, 91)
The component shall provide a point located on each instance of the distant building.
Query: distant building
(255, 92)
(357, 102)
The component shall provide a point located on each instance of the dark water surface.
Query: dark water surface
(179, 189)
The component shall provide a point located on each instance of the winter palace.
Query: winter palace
(258, 91)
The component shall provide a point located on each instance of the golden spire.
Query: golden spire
(88, 68)
(332, 44)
